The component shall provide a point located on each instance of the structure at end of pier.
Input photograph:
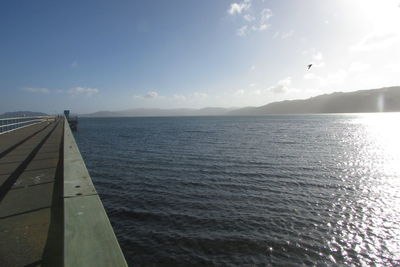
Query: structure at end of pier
(72, 120)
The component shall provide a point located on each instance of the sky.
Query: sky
(115, 55)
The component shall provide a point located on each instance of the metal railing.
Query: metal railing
(10, 124)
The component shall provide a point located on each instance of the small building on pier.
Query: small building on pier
(72, 121)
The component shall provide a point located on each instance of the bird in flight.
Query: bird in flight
(309, 66)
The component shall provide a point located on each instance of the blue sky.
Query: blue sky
(113, 55)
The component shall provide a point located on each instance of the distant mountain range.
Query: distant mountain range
(153, 112)
(16, 114)
(375, 100)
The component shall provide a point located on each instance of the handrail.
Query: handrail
(10, 124)
(16, 123)
(30, 117)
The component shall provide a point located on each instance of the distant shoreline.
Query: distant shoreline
(259, 115)
(363, 101)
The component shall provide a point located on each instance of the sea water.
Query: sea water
(238, 191)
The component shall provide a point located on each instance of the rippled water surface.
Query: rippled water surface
(279, 190)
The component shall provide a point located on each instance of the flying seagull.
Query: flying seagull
(309, 66)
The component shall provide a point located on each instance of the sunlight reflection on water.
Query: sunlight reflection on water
(371, 229)
(383, 133)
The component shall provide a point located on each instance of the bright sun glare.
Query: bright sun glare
(383, 130)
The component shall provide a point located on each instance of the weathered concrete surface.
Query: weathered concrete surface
(28, 195)
(16, 137)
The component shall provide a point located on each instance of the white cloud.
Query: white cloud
(263, 27)
(151, 95)
(310, 76)
(179, 97)
(282, 86)
(317, 56)
(200, 95)
(254, 22)
(359, 67)
(147, 95)
(284, 35)
(260, 28)
(238, 8)
(239, 92)
(375, 41)
(83, 91)
(249, 17)
(288, 34)
(262, 24)
(336, 77)
(314, 78)
(266, 14)
(36, 90)
(242, 30)
(285, 82)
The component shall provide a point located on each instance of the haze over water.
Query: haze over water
(281, 190)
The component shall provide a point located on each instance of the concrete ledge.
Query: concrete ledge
(89, 239)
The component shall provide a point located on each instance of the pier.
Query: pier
(50, 212)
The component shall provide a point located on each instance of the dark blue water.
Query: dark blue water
(237, 191)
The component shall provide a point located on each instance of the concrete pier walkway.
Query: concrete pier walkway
(34, 228)
(28, 178)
